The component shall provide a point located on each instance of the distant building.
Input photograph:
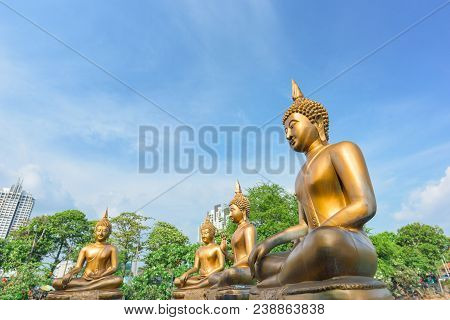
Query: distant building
(218, 217)
(15, 208)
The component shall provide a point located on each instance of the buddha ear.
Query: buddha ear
(318, 122)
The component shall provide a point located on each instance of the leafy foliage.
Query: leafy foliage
(409, 255)
(24, 279)
(128, 228)
(68, 230)
(32, 252)
(169, 255)
(51, 238)
(164, 233)
(426, 244)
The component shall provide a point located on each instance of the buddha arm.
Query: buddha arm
(195, 268)
(352, 172)
(221, 260)
(69, 275)
(80, 262)
(287, 235)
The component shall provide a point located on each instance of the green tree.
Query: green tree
(50, 238)
(128, 229)
(30, 243)
(425, 245)
(23, 279)
(169, 255)
(393, 270)
(68, 230)
(164, 233)
(408, 255)
(31, 253)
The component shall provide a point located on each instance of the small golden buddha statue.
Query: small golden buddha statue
(101, 260)
(208, 260)
(242, 243)
(335, 200)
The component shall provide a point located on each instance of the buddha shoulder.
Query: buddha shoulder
(344, 149)
(249, 227)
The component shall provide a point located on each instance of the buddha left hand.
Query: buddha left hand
(257, 254)
(92, 275)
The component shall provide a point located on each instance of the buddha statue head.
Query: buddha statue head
(103, 228)
(305, 121)
(208, 231)
(239, 205)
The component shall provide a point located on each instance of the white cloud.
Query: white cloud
(51, 195)
(429, 204)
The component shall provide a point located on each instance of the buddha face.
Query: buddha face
(236, 214)
(207, 235)
(300, 132)
(101, 233)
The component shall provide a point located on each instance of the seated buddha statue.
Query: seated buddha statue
(208, 260)
(242, 243)
(335, 199)
(100, 260)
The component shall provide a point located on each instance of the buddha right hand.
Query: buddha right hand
(66, 279)
(183, 278)
(258, 252)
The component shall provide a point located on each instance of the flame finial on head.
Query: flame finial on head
(237, 188)
(105, 215)
(296, 92)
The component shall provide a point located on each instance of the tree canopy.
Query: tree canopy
(128, 230)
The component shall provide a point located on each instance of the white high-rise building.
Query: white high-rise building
(218, 217)
(15, 208)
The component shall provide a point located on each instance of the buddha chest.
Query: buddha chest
(319, 190)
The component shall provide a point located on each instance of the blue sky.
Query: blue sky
(71, 131)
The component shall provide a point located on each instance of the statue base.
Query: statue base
(234, 292)
(112, 294)
(190, 294)
(338, 288)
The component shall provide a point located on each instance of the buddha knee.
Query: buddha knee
(118, 280)
(57, 283)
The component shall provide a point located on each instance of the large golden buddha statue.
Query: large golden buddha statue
(101, 262)
(242, 243)
(335, 200)
(208, 260)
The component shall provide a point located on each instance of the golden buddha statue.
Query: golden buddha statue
(101, 260)
(335, 200)
(208, 260)
(242, 243)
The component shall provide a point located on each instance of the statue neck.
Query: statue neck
(314, 148)
(242, 223)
